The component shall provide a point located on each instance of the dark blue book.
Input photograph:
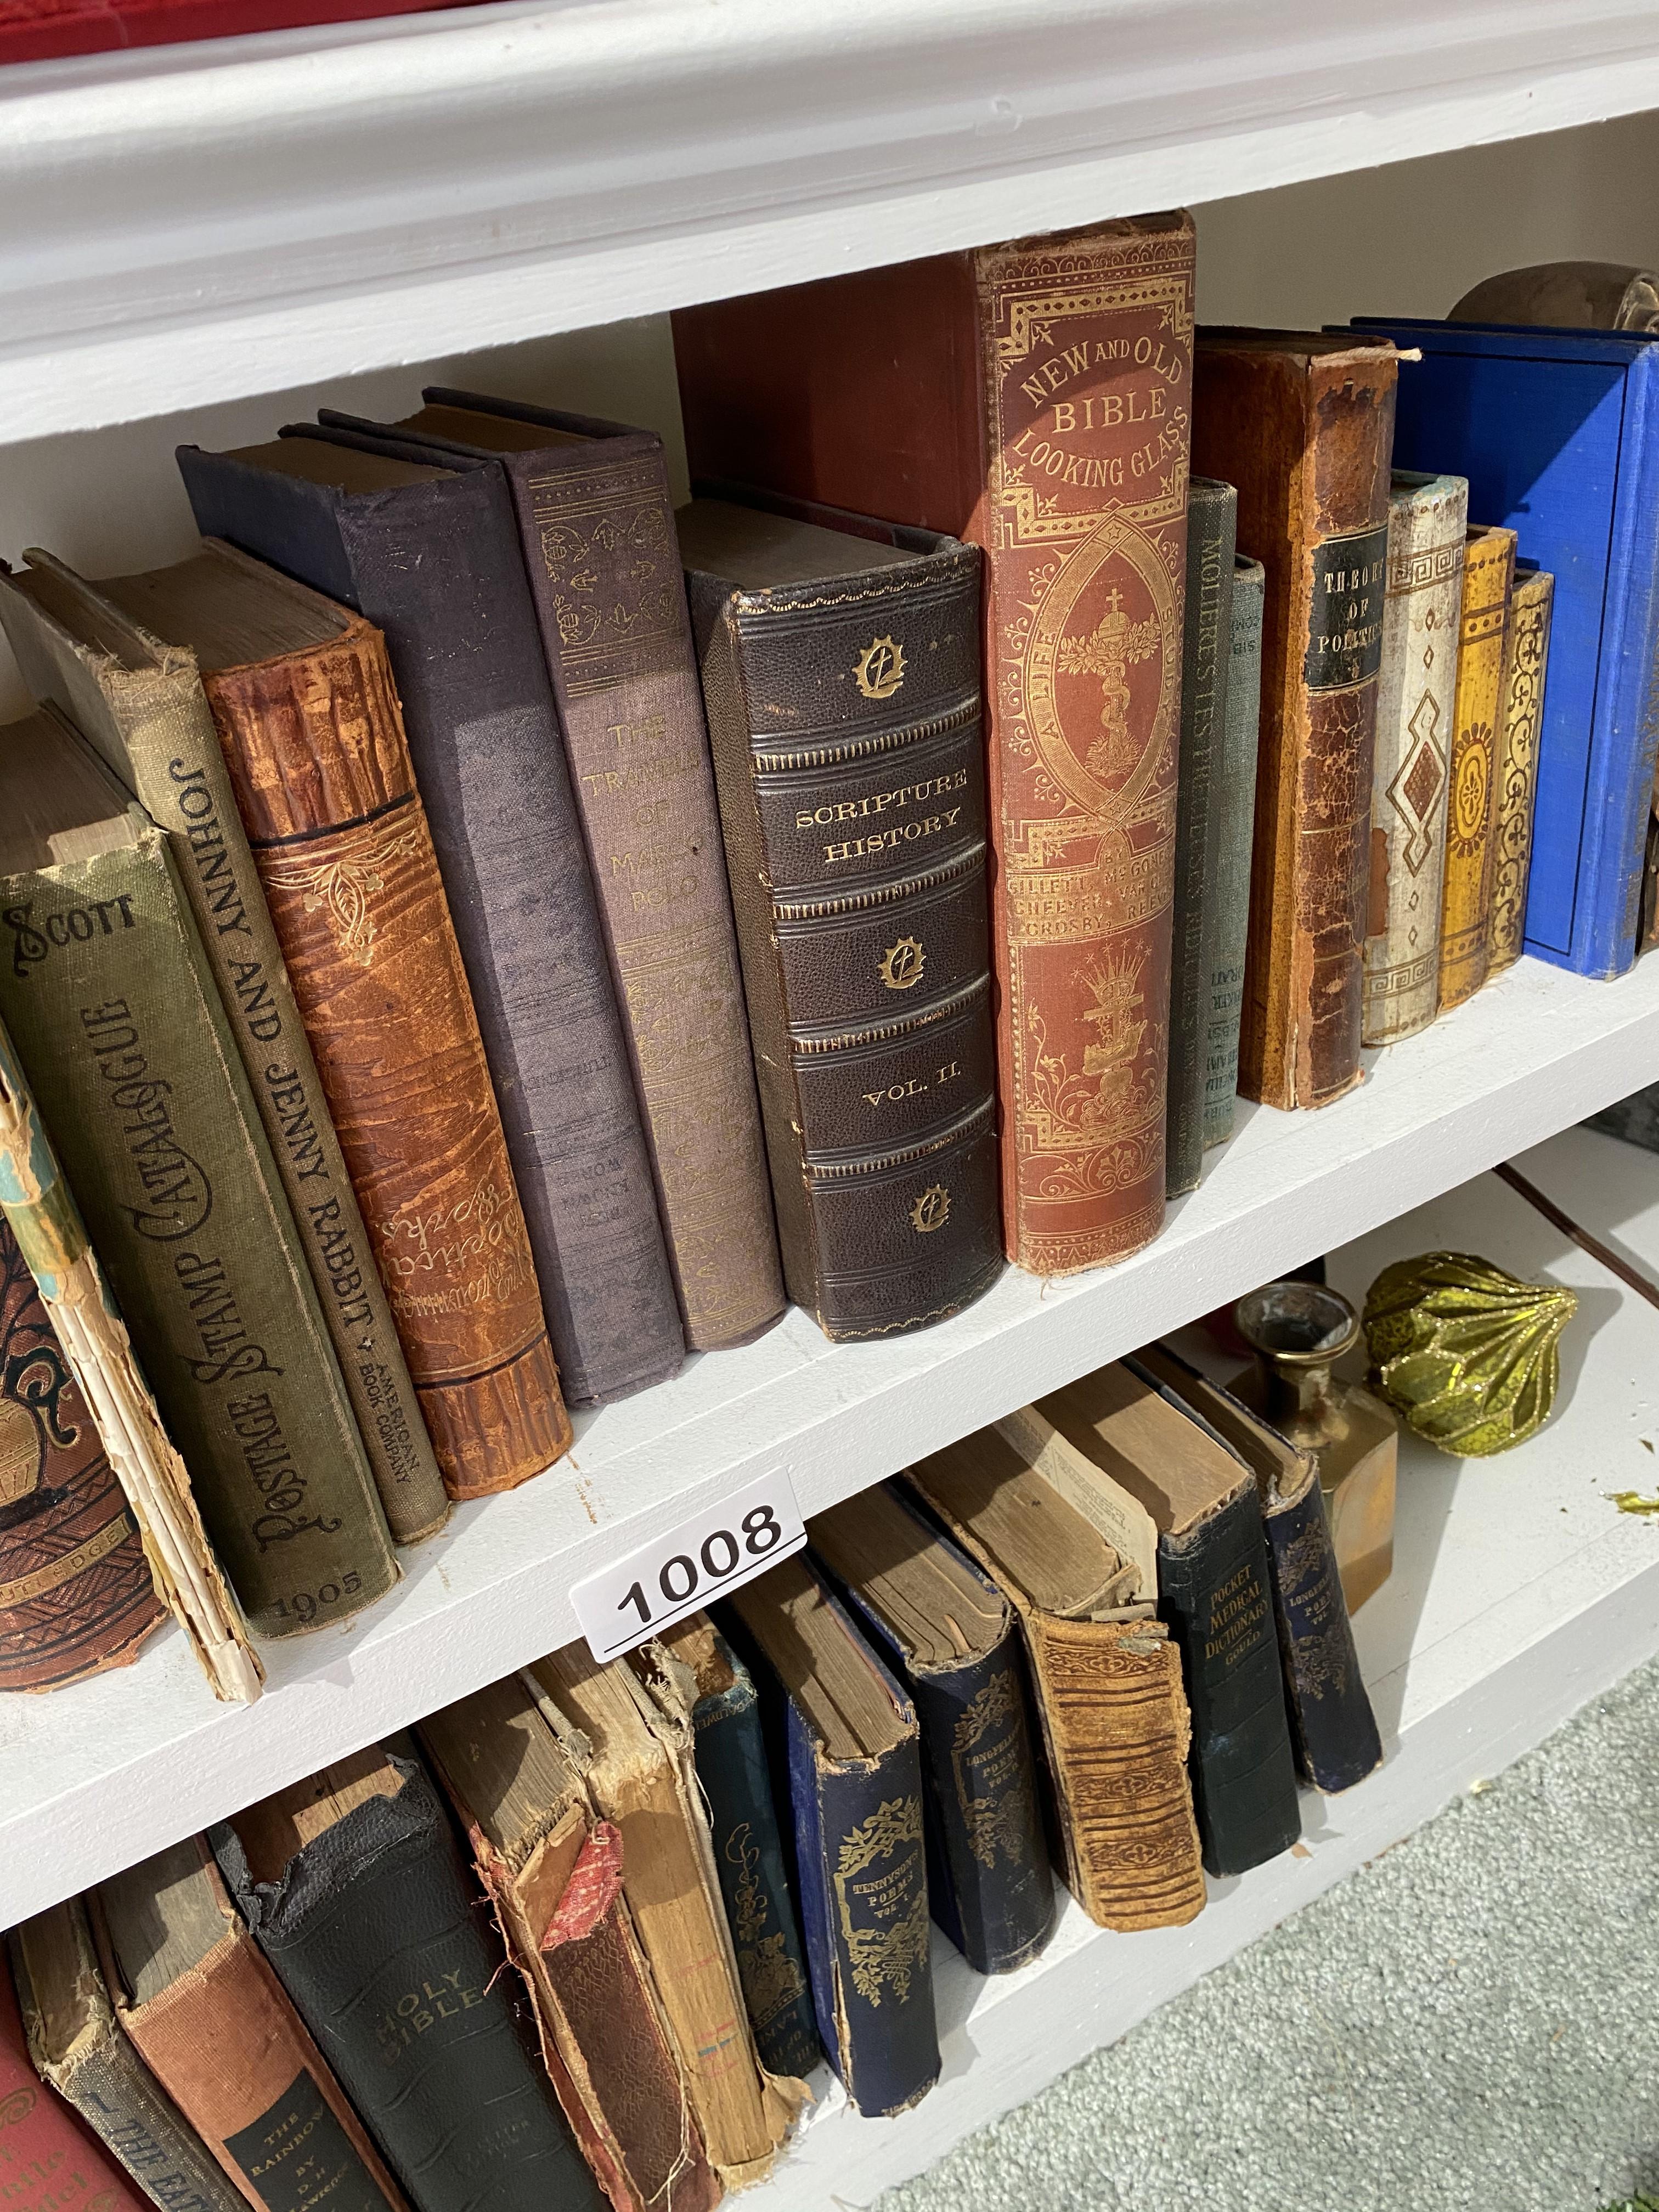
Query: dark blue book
(951, 1638)
(730, 1752)
(844, 1745)
(1558, 433)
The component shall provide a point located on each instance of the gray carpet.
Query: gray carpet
(1472, 2020)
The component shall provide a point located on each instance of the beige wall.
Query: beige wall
(1406, 240)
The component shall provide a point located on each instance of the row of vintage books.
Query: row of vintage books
(713, 1864)
(473, 935)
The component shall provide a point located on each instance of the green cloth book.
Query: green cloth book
(112, 1008)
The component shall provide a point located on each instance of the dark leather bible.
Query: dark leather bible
(356, 1892)
(842, 677)
(430, 556)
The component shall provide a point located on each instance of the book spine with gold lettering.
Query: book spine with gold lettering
(1415, 705)
(1472, 802)
(1526, 664)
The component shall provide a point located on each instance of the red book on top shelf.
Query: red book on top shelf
(41, 30)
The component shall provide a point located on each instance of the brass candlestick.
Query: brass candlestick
(1297, 1331)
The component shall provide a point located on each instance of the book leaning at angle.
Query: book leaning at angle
(76, 1592)
(641, 1777)
(553, 1873)
(356, 1891)
(842, 668)
(210, 2018)
(950, 1636)
(313, 756)
(597, 526)
(844, 1735)
(430, 556)
(113, 1010)
(1416, 720)
(49, 2162)
(1302, 424)
(1077, 1559)
(42, 1216)
(140, 702)
(80, 2049)
(1034, 398)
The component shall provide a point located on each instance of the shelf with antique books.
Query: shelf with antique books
(1519, 1590)
(102, 1772)
(192, 223)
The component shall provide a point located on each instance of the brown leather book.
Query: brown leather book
(211, 2021)
(1477, 738)
(1078, 1559)
(1303, 425)
(514, 1772)
(1032, 398)
(309, 723)
(842, 677)
(641, 1779)
(75, 1590)
(1526, 664)
(596, 518)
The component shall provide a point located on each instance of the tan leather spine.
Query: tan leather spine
(1306, 434)
(1526, 664)
(230, 2050)
(315, 746)
(1416, 702)
(1466, 908)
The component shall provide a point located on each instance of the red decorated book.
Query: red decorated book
(48, 2160)
(42, 30)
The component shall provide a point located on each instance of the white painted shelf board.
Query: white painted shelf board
(112, 1769)
(196, 223)
(1518, 1593)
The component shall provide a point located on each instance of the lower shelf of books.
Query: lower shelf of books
(1519, 1591)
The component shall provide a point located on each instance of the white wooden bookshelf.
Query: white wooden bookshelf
(112, 1769)
(1519, 1591)
(190, 230)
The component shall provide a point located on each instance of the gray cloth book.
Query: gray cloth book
(1206, 665)
(1230, 840)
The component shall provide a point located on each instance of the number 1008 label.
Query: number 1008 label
(706, 1557)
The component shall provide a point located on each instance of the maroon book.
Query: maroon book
(44, 30)
(48, 2160)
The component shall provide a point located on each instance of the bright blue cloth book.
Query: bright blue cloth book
(1558, 433)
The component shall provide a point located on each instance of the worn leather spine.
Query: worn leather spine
(1472, 801)
(1416, 705)
(1227, 857)
(1214, 1592)
(1526, 664)
(732, 1768)
(556, 1892)
(435, 566)
(597, 520)
(853, 801)
(1206, 665)
(1116, 1734)
(1334, 1728)
(1304, 429)
(125, 1041)
(315, 746)
(860, 1862)
(77, 1595)
(48, 2161)
(226, 2044)
(98, 2071)
(139, 699)
(1038, 406)
(378, 1931)
(989, 1886)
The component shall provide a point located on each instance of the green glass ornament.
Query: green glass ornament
(1466, 1354)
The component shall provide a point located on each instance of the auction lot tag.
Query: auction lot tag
(702, 1558)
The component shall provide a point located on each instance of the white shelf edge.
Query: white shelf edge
(192, 224)
(115, 1768)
